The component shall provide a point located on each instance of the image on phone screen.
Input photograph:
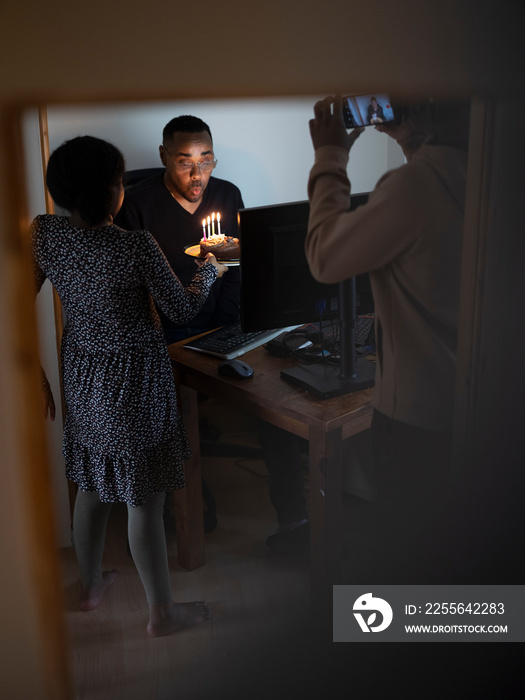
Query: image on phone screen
(367, 110)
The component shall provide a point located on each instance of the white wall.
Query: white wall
(47, 339)
(262, 145)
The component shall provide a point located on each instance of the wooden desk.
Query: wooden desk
(325, 423)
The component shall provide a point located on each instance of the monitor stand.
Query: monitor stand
(352, 373)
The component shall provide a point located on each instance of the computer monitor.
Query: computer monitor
(278, 290)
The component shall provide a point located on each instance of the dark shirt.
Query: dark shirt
(149, 205)
(375, 113)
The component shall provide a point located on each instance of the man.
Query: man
(409, 238)
(375, 114)
(172, 206)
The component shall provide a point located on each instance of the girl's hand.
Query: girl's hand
(221, 269)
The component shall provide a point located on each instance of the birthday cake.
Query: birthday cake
(223, 247)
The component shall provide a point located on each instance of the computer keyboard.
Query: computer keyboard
(230, 341)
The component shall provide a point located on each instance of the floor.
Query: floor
(259, 604)
(260, 642)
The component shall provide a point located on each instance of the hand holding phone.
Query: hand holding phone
(367, 110)
(327, 127)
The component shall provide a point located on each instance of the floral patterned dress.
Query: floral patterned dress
(123, 435)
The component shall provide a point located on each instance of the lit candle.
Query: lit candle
(213, 224)
(219, 224)
(204, 229)
(208, 225)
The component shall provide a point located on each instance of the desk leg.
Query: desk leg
(188, 504)
(326, 518)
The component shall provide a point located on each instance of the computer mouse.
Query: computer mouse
(235, 368)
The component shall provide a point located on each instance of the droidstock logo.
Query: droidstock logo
(367, 604)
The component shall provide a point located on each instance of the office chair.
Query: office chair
(131, 177)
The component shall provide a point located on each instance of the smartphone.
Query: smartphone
(367, 110)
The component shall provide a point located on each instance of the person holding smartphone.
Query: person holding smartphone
(408, 237)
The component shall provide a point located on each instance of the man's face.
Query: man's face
(181, 157)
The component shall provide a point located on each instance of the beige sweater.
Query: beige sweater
(409, 238)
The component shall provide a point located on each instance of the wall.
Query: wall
(47, 338)
(263, 145)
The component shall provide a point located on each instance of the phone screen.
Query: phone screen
(367, 110)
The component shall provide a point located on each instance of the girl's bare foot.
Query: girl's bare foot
(91, 597)
(173, 617)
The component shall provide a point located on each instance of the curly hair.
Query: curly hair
(81, 174)
(186, 124)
